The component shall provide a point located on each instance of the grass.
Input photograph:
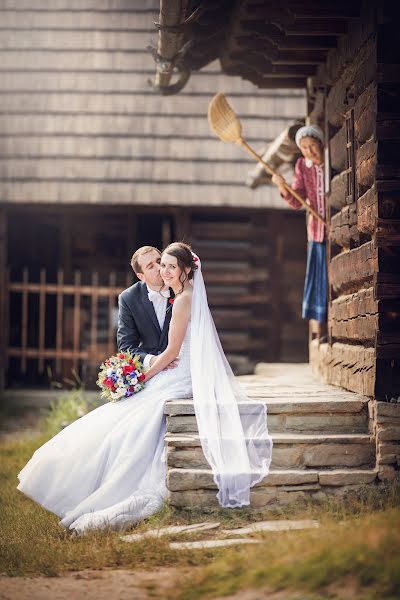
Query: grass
(359, 538)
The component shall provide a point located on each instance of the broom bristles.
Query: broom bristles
(223, 120)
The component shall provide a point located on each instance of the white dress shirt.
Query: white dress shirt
(159, 301)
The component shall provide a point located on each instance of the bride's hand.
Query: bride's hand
(173, 364)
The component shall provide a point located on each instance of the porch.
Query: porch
(327, 441)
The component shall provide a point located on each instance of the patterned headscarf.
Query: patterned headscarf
(309, 131)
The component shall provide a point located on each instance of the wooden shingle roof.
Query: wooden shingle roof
(80, 123)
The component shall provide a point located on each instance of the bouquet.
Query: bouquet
(120, 376)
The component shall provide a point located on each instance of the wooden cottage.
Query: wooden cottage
(346, 57)
(94, 163)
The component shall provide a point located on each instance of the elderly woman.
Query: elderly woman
(309, 183)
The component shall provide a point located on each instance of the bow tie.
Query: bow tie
(154, 295)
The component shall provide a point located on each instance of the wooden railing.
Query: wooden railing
(69, 345)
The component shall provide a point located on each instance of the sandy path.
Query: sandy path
(107, 584)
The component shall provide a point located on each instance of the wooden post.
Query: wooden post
(3, 297)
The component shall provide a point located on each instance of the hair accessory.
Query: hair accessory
(309, 131)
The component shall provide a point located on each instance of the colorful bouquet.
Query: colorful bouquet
(121, 376)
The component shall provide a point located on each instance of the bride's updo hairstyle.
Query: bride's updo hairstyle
(183, 254)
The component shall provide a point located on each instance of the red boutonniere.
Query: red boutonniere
(171, 300)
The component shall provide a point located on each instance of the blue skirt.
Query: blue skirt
(315, 298)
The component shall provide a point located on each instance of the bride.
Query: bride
(108, 468)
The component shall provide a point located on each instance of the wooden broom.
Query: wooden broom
(226, 125)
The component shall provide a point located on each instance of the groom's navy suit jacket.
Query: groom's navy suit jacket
(138, 328)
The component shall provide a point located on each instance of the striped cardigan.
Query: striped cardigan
(309, 184)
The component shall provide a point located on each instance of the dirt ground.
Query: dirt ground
(122, 584)
(107, 584)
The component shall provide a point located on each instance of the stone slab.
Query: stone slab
(173, 530)
(287, 456)
(279, 525)
(202, 544)
(192, 479)
(279, 405)
(347, 477)
(388, 409)
(388, 433)
(192, 440)
(285, 423)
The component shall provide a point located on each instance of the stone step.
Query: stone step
(307, 423)
(195, 488)
(298, 404)
(290, 451)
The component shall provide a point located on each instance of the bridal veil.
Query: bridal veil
(233, 430)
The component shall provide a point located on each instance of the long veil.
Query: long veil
(233, 430)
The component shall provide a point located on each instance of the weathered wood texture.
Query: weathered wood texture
(80, 122)
(351, 269)
(349, 366)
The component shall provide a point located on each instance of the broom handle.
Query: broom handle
(245, 145)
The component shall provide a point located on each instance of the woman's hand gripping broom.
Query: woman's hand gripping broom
(226, 125)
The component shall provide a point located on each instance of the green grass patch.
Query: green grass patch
(363, 549)
(359, 537)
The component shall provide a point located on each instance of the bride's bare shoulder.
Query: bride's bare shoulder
(184, 298)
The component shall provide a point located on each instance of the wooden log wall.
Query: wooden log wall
(253, 261)
(363, 123)
(254, 265)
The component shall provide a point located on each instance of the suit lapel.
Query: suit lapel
(148, 306)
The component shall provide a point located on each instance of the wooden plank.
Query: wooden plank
(4, 302)
(59, 319)
(76, 318)
(114, 170)
(131, 124)
(50, 353)
(343, 228)
(338, 193)
(367, 211)
(275, 104)
(140, 193)
(349, 269)
(337, 146)
(365, 114)
(366, 162)
(226, 231)
(107, 81)
(141, 23)
(24, 319)
(93, 314)
(111, 304)
(387, 285)
(354, 316)
(42, 319)
(349, 366)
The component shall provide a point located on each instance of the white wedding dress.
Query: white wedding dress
(108, 468)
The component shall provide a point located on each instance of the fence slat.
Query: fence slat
(59, 319)
(42, 318)
(93, 330)
(111, 300)
(24, 319)
(76, 318)
(59, 353)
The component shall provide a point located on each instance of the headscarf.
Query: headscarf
(309, 131)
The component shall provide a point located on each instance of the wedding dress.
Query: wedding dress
(108, 468)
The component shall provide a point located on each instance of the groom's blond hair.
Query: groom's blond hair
(135, 262)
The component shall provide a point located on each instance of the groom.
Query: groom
(144, 314)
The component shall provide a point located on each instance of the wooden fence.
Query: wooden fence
(67, 315)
